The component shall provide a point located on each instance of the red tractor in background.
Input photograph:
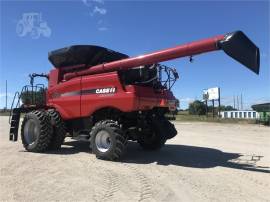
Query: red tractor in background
(109, 98)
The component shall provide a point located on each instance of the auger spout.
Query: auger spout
(236, 44)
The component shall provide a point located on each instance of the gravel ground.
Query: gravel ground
(205, 162)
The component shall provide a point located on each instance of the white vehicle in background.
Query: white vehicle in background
(32, 23)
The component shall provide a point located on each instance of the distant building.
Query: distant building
(264, 111)
(241, 114)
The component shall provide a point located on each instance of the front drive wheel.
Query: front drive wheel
(36, 131)
(59, 130)
(107, 140)
(155, 137)
(152, 141)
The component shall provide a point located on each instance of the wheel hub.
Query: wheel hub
(103, 141)
(30, 132)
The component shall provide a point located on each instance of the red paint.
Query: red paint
(68, 96)
(68, 106)
(194, 48)
(126, 99)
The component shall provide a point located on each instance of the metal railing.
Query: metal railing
(30, 95)
(171, 76)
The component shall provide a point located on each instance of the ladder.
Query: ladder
(14, 118)
(14, 124)
(15, 113)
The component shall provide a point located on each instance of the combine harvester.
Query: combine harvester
(109, 98)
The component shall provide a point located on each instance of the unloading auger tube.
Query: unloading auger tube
(236, 44)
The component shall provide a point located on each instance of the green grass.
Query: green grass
(186, 117)
(4, 113)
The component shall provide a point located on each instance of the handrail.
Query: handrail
(18, 95)
(11, 111)
(171, 77)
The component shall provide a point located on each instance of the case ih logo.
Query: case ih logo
(108, 90)
(105, 90)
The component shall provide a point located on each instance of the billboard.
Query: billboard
(211, 94)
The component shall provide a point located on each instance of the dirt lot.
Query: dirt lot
(205, 162)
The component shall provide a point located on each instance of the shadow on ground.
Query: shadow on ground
(178, 155)
(193, 156)
(72, 147)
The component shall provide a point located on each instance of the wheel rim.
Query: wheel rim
(103, 141)
(30, 132)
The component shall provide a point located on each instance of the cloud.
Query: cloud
(99, 1)
(87, 3)
(187, 99)
(99, 10)
(102, 29)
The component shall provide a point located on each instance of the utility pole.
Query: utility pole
(206, 107)
(6, 96)
(241, 102)
(234, 101)
(218, 102)
(237, 102)
(213, 103)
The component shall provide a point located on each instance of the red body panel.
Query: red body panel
(63, 98)
(75, 98)
(123, 99)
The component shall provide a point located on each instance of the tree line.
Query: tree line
(199, 108)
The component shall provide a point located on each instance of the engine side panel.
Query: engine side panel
(105, 90)
(82, 96)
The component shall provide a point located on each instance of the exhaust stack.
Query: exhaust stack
(237, 45)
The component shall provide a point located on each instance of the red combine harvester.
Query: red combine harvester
(108, 98)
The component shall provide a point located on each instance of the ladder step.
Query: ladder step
(14, 124)
(11, 136)
(15, 115)
(13, 128)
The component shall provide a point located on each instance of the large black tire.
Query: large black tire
(36, 131)
(155, 138)
(107, 140)
(59, 130)
(170, 129)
